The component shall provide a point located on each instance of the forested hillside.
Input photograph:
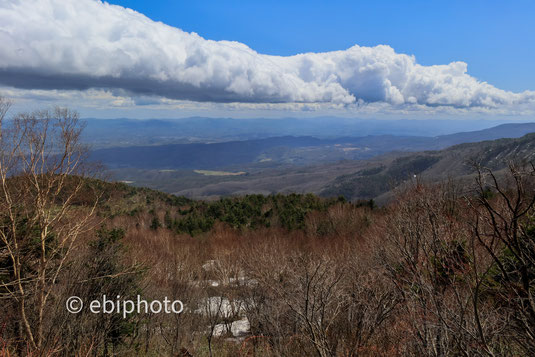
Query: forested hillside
(456, 163)
(442, 269)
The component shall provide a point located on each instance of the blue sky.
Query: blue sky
(495, 38)
(272, 58)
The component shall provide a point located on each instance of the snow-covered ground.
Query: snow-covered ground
(238, 328)
(232, 311)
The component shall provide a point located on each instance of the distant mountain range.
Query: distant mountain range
(131, 132)
(308, 164)
(375, 178)
(301, 150)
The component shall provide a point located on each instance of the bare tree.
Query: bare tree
(371, 300)
(431, 261)
(505, 228)
(212, 307)
(43, 182)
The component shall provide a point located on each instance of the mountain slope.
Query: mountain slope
(511, 130)
(454, 162)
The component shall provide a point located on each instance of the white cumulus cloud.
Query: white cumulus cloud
(82, 44)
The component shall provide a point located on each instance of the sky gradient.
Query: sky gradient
(178, 58)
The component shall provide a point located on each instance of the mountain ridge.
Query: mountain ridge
(298, 150)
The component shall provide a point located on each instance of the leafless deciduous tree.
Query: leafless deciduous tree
(430, 258)
(505, 227)
(42, 180)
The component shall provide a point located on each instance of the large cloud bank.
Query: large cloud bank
(81, 44)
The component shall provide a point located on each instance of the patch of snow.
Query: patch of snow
(209, 265)
(238, 328)
(217, 304)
